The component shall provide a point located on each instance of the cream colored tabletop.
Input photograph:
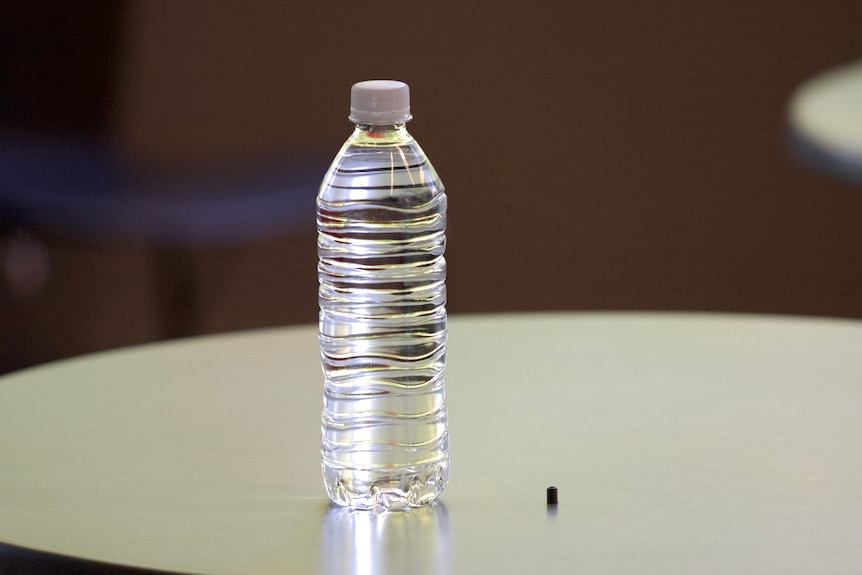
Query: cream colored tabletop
(825, 119)
(679, 444)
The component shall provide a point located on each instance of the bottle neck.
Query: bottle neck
(381, 133)
(382, 128)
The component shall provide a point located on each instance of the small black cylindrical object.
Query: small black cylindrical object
(552, 495)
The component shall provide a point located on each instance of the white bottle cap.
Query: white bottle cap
(380, 102)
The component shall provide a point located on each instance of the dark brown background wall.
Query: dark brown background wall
(597, 154)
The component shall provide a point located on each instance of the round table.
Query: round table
(825, 117)
(680, 443)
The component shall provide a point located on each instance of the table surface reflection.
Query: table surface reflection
(679, 443)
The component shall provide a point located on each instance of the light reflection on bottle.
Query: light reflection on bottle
(357, 542)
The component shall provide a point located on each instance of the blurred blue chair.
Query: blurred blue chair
(82, 188)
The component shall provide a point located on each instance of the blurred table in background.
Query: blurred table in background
(680, 443)
(825, 117)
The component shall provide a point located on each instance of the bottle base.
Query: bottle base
(385, 489)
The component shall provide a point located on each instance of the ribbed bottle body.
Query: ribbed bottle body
(381, 237)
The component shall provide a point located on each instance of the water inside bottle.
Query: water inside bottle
(381, 223)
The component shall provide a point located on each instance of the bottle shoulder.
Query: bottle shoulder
(387, 165)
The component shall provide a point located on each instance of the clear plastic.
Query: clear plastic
(381, 217)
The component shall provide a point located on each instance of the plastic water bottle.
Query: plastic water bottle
(381, 220)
